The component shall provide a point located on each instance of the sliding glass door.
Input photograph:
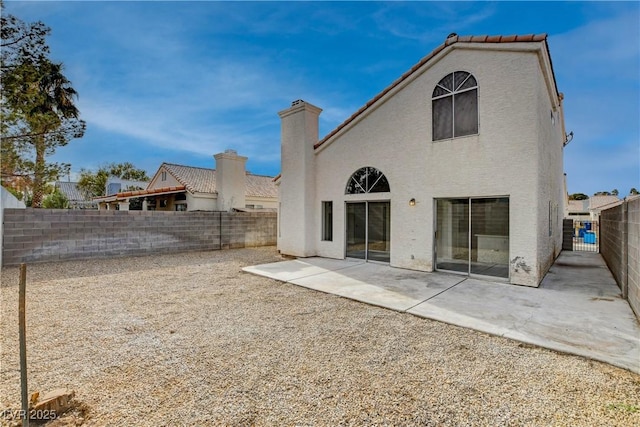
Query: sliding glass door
(452, 236)
(356, 230)
(472, 236)
(369, 231)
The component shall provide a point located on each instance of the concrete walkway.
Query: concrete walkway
(577, 309)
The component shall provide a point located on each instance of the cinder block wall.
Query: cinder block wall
(43, 235)
(620, 248)
(633, 255)
(612, 241)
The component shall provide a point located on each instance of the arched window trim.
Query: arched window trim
(455, 91)
(368, 171)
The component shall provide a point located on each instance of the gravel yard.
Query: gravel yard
(189, 339)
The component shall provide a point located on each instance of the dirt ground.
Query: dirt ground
(189, 339)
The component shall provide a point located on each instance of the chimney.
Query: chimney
(230, 180)
(297, 205)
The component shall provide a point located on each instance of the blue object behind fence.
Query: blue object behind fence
(590, 237)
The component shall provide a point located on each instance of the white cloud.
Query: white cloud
(440, 19)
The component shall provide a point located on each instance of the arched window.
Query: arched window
(455, 106)
(367, 180)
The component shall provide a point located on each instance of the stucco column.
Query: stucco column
(144, 203)
(230, 180)
(298, 234)
(123, 206)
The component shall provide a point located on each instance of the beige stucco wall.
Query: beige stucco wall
(551, 193)
(266, 203)
(504, 159)
(157, 181)
(201, 202)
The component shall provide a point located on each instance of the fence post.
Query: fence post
(22, 320)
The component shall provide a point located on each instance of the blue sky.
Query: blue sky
(181, 81)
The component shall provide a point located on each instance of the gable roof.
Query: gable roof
(452, 39)
(596, 202)
(260, 186)
(195, 179)
(71, 191)
(203, 180)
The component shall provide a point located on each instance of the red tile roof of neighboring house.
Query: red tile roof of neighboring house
(203, 180)
(152, 191)
(452, 39)
(195, 179)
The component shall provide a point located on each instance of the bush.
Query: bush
(55, 200)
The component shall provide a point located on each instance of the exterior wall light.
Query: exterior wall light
(412, 202)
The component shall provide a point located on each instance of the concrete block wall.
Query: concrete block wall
(44, 235)
(620, 248)
(633, 255)
(243, 230)
(7, 201)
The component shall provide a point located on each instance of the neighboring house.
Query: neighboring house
(589, 209)
(188, 188)
(456, 166)
(577, 210)
(599, 203)
(76, 198)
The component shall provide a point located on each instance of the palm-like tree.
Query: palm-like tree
(54, 105)
(41, 101)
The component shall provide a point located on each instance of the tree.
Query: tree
(578, 196)
(55, 200)
(614, 192)
(93, 184)
(634, 191)
(602, 193)
(38, 110)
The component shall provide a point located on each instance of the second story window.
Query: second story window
(455, 106)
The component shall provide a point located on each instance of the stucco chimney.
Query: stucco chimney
(297, 211)
(230, 180)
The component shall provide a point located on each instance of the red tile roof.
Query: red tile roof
(452, 39)
(152, 191)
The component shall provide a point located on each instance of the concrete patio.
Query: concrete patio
(577, 309)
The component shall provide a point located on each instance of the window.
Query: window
(181, 207)
(455, 106)
(164, 176)
(327, 221)
(367, 180)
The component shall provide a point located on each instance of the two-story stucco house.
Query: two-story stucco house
(456, 166)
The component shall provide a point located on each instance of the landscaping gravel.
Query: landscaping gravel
(188, 339)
